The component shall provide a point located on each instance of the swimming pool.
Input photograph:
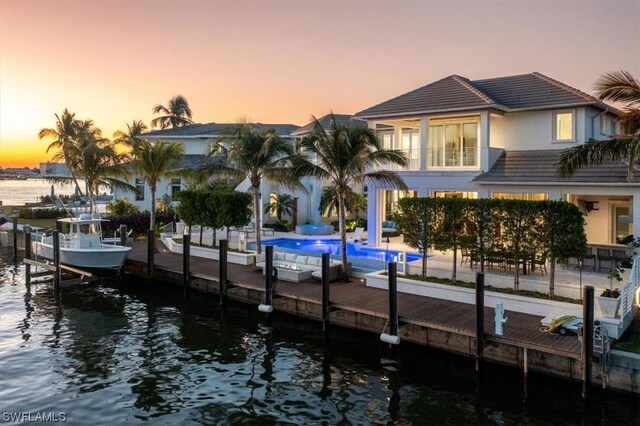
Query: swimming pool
(332, 246)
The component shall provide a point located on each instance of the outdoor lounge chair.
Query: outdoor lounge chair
(357, 236)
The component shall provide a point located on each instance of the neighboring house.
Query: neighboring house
(501, 137)
(54, 170)
(314, 188)
(197, 140)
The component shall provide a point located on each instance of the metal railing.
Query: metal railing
(413, 160)
(628, 291)
(454, 157)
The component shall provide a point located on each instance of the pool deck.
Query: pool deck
(426, 321)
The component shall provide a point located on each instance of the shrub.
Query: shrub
(122, 206)
(280, 226)
(53, 213)
(139, 222)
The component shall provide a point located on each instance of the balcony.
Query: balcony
(413, 161)
(454, 158)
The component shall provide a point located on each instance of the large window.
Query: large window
(391, 198)
(454, 194)
(139, 189)
(531, 196)
(564, 126)
(620, 224)
(454, 144)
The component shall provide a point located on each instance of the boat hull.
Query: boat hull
(103, 257)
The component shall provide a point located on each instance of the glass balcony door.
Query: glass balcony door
(453, 145)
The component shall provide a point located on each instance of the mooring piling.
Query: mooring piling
(56, 260)
(222, 271)
(151, 236)
(186, 264)
(325, 292)
(14, 220)
(479, 320)
(267, 305)
(393, 337)
(123, 235)
(587, 340)
(27, 254)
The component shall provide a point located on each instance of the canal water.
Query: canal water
(108, 354)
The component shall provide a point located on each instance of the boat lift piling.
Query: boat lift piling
(222, 271)
(326, 303)
(123, 235)
(479, 320)
(393, 337)
(150, 252)
(27, 255)
(56, 260)
(14, 220)
(587, 340)
(267, 305)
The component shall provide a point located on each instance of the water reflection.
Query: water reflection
(139, 352)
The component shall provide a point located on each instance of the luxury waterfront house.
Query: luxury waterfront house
(498, 137)
(501, 137)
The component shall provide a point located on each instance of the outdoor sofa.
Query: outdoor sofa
(303, 263)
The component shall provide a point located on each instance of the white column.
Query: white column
(374, 224)
(484, 140)
(635, 215)
(397, 137)
(424, 142)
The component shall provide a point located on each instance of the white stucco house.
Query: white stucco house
(197, 140)
(501, 137)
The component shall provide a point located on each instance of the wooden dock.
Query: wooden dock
(435, 322)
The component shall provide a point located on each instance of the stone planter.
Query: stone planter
(609, 306)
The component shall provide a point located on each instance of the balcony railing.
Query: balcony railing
(413, 161)
(463, 157)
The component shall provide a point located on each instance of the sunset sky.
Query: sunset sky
(280, 61)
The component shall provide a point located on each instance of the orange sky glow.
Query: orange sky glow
(280, 61)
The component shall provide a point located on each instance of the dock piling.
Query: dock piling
(14, 220)
(27, 255)
(587, 340)
(222, 272)
(479, 320)
(267, 305)
(123, 235)
(186, 264)
(56, 260)
(325, 292)
(392, 337)
(151, 235)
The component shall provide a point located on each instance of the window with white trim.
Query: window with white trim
(604, 124)
(564, 124)
(139, 189)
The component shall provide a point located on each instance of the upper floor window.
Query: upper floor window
(139, 189)
(564, 126)
(454, 144)
(604, 124)
(176, 184)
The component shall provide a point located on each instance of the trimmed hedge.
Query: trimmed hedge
(52, 213)
(139, 222)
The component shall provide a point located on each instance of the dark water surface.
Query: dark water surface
(108, 355)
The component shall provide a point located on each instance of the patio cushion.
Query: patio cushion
(278, 256)
(302, 260)
(314, 261)
(290, 257)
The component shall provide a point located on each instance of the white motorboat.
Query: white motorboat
(83, 246)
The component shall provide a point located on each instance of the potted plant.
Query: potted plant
(609, 300)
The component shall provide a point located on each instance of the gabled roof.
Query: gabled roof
(344, 120)
(210, 130)
(456, 93)
(540, 166)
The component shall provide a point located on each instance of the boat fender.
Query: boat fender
(267, 309)
(390, 339)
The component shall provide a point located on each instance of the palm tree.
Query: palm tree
(154, 161)
(345, 157)
(131, 137)
(99, 164)
(357, 203)
(63, 136)
(617, 86)
(282, 204)
(177, 113)
(254, 155)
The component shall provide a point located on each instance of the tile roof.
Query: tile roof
(456, 93)
(344, 120)
(216, 129)
(540, 167)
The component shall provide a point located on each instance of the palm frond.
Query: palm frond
(597, 152)
(618, 86)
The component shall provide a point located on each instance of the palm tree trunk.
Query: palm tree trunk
(455, 262)
(152, 219)
(256, 219)
(343, 233)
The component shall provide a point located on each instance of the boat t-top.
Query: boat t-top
(83, 246)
